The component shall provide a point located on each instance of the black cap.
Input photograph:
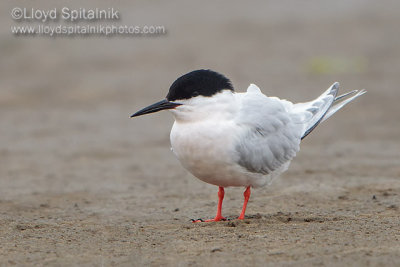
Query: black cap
(198, 82)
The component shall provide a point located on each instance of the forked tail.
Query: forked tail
(320, 109)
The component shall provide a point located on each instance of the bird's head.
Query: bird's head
(190, 90)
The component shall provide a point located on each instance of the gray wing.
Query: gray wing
(269, 135)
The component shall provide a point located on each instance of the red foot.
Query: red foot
(246, 195)
(218, 217)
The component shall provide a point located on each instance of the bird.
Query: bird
(232, 139)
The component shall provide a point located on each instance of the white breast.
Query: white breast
(205, 149)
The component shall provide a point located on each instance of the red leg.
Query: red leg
(218, 217)
(246, 195)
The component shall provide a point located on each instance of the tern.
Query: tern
(246, 139)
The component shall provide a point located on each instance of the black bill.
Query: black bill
(163, 104)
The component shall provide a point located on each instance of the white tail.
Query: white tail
(341, 101)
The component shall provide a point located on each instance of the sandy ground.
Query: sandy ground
(82, 184)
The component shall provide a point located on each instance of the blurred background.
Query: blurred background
(69, 149)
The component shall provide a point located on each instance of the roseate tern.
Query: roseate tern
(239, 139)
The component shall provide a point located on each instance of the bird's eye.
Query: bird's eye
(195, 93)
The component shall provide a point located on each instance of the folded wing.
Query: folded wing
(269, 136)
